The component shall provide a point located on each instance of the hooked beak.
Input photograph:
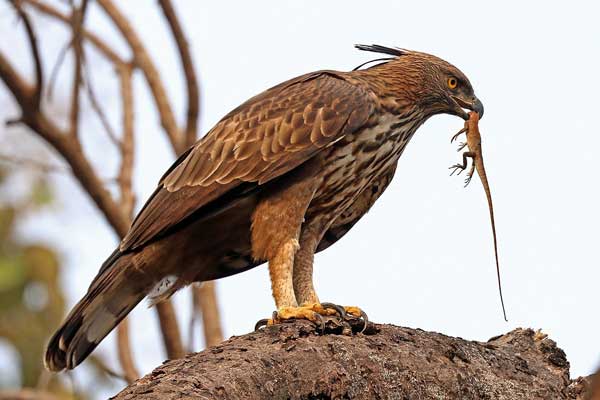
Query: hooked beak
(473, 104)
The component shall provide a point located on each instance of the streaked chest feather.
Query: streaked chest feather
(360, 158)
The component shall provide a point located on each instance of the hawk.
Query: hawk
(281, 177)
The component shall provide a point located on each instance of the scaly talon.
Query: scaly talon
(358, 313)
(314, 312)
(354, 311)
(263, 322)
(339, 309)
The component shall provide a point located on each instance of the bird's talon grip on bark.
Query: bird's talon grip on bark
(338, 309)
(261, 323)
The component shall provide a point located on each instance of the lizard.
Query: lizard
(474, 152)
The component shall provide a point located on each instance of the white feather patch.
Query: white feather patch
(162, 288)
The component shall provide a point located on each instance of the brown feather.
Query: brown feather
(204, 174)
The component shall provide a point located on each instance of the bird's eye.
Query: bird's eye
(452, 83)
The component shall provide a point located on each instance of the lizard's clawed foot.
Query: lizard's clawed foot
(315, 312)
(457, 167)
(468, 179)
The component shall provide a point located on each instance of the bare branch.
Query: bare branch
(77, 18)
(28, 97)
(54, 73)
(211, 321)
(127, 144)
(22, 91)
(98, 108)
(143, 61)
(98, 43)
(170, 329)
(188, 68)
(39, 73)
(70, 150)
(130, 373)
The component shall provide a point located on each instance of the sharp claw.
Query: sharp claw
(339, 309)
(261, 323)
(320, 323)
(365, 318)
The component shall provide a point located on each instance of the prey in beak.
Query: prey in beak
(473, 104)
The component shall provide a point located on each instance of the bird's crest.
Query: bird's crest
(376, 48)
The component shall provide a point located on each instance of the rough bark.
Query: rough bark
(293, 361)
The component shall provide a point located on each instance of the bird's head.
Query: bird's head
(434, 85)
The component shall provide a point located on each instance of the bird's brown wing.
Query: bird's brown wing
(267, 136)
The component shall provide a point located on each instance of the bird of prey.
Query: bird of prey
(281, 177)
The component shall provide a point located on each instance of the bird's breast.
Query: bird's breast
(354, 162)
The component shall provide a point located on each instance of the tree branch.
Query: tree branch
(77, 18)
(71, 151)
(170, 330)
(127, 143)
(98, 43)
(124, 353)
(292, 361)
(39, 72)
(143, 61)
(188, 68)
(67, 144)
(127, 202)
(98, 108)
(206, 299)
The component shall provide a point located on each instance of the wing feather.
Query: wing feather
(264, 138)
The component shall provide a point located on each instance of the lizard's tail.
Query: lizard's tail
(488, 195)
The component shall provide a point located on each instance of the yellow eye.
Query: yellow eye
(452, 83)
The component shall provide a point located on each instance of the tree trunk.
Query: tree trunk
(293, 361)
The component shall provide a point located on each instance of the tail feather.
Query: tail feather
(115, 291)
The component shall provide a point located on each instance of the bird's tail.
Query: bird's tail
(116, 290)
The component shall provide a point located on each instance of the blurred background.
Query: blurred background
(423, 257)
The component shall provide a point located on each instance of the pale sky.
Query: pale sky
(423, 257)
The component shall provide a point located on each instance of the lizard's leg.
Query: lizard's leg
(472, 171)
(463, 130)
(461, 167)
